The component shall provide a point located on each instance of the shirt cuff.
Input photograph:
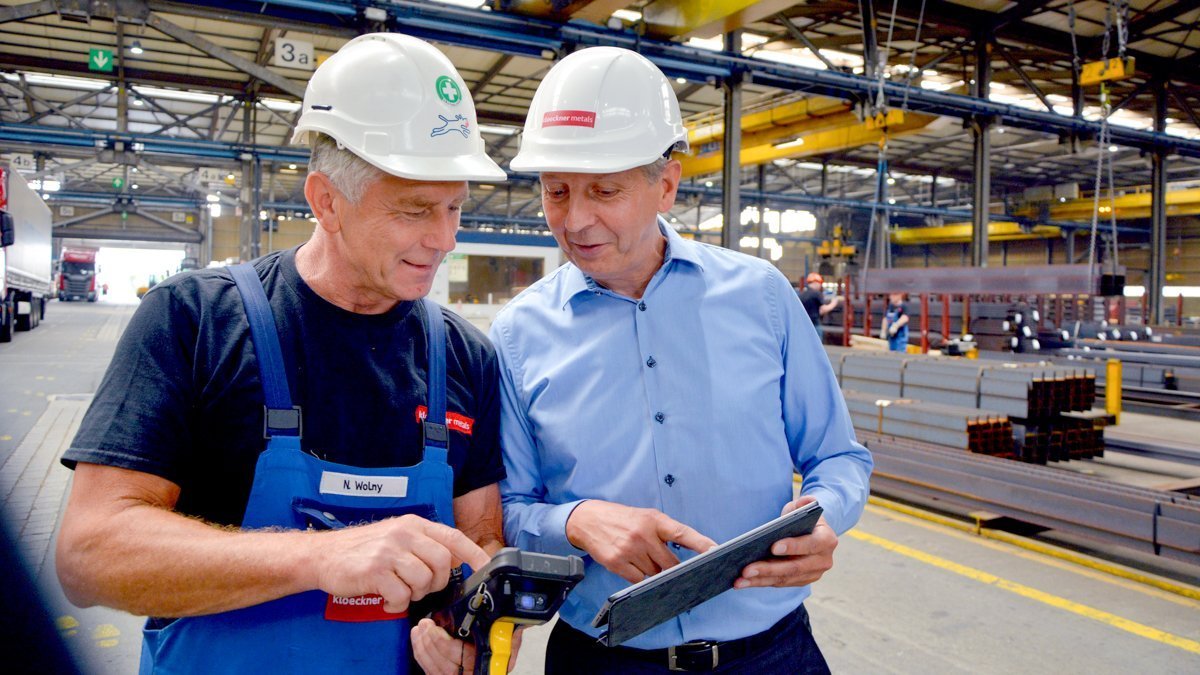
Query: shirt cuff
(554, 530)
(831, 507)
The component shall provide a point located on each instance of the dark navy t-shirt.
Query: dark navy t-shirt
(182, 398)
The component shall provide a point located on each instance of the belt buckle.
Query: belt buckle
(712, 647)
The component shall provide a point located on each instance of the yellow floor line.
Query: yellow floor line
(1141, 630)
(1087, 571)
(1114, 569)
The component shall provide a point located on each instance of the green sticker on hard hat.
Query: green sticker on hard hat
(447, 90)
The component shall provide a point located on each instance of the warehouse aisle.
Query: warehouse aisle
(906, 595)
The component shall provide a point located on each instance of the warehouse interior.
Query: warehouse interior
(1026, 171)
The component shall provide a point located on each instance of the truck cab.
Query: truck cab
(77, 275)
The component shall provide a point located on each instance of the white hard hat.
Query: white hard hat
(398, 103)
(601, 110)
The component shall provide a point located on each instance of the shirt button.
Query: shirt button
(659, 417)
(642, 305)
(669, 480)
(650, 362)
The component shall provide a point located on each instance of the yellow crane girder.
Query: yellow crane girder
(810, 110)
(1127, 207)
(958, 233)
(758, 150)
(706, 18)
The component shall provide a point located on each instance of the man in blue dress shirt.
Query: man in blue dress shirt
(657, 393)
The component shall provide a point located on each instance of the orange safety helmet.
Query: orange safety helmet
(814, 277)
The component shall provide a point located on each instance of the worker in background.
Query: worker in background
(895, 324)
(658, 392)
(254, 472)
(813, 300)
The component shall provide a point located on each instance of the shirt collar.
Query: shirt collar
(677, 248)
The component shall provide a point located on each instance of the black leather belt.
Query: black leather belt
(701, 656)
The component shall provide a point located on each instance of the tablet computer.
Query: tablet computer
(642, 606)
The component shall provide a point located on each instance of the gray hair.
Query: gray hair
(654, 170)
(348, 172)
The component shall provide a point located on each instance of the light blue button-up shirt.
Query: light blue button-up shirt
(698, 400)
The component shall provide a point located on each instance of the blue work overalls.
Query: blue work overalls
(313, 632)
(899, 341)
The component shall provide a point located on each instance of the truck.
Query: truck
(77, 274)
(26, 280)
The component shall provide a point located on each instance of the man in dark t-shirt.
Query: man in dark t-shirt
(182, 400)
(173, 454)
(813, 300)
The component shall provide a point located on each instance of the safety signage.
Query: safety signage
(118, 183)
(100, 59)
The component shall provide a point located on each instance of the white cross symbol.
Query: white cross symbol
(450, 91)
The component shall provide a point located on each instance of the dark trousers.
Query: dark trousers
(792, 651)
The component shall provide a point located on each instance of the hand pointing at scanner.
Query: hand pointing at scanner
(630, 542)
(402, 559)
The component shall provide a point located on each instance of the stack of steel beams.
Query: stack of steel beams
(1048, 406)
(873, 373)
(1149, 520)
(970, 429)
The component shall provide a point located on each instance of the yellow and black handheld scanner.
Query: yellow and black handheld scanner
(515, 588)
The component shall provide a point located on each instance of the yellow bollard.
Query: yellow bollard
(1112, 389)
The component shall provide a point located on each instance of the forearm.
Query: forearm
(478, 516)
(145, 559)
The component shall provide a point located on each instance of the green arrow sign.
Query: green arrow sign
(118, 183)
(100, 59)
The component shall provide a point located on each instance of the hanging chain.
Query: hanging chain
(1074, 44)
(912, 62)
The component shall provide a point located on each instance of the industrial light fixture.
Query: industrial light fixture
(891, 181)
(708, 183)
(681, 80)
(138, 101)
(892, 200)
(136, 48)
(292, 167)
(134, 186)
(1113, 148)
(541, 214)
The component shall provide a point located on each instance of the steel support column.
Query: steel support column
(731, 151)
(980, 126)
(1158, 207)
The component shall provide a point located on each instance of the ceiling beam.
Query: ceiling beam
(29, 10)
(194, 40)
(154, 78)
(1148, 20)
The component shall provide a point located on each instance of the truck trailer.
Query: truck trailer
(25, 255)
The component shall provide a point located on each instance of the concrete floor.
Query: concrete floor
(905, 595)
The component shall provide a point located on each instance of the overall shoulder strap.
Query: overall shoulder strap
(281, 418)
(436, 437)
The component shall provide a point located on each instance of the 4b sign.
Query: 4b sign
(293, 54)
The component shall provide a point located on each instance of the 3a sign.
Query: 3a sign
(293, 54)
